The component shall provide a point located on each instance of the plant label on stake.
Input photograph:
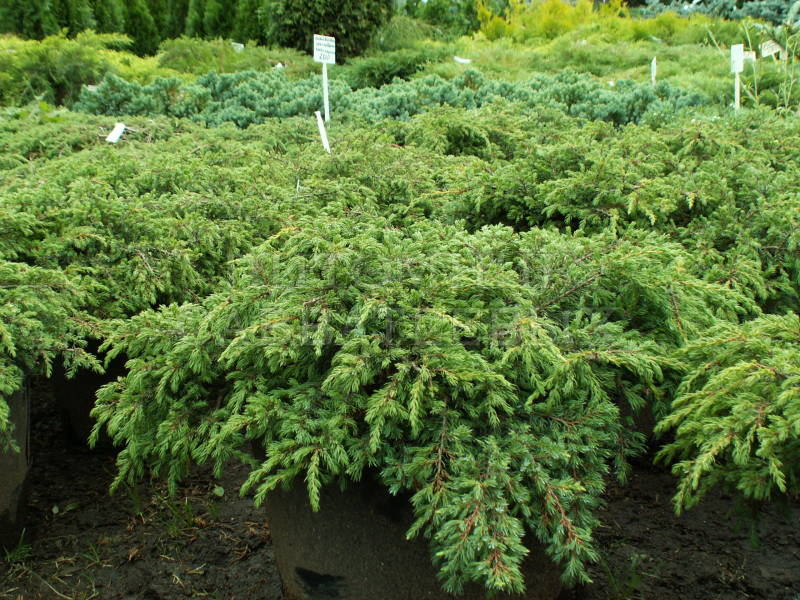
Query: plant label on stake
(771, 48)
(653, 70)
(325, 53)
(322, 134)
(737, 66)
(116, 133)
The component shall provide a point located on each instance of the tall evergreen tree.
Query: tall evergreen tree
(33, 19)
(177, 11)
(194, 19)
(169, 17)
(75, 15)
(249, 21)
(109, 15)
(218, 18)
(141, 27)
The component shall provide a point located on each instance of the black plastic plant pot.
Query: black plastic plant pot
(14, 467)
(354, 548)
(76, 398)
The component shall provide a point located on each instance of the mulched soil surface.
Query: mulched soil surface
(207, 542)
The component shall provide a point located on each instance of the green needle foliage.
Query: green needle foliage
(472, 304)
(484, 372)
(39, 323)
(248, 97)
(736, 414)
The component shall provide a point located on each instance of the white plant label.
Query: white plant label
(737, 58)
(462, 61)
(116, 133)
(770, 48)
(325, 53)
(653, 70)
(322, 133)
(237, 47)
(325, 49)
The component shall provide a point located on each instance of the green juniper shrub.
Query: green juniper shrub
(379, 69)
(402, 31)
(40, 322)
(198, 57)
(55, 69)
(40, 132)
(700, 180)
(142, 228)
(736, 414)
(480, 371)
(91, 232)
(246, 97)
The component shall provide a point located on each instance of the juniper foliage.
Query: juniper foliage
(248, 97)
(483, 372)
(39, 323)
(468, 296)
(736, 414)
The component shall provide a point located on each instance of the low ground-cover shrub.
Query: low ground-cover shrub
(158, 217)
(345, 344)
(716, 185)
(40, 322)
(39, 131)
(246, 98)
(57, 68)
(142, 227)
(191, 55)
(736, 415)
(296, 288)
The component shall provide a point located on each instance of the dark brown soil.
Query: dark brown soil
(142, 544)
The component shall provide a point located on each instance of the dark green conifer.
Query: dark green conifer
(109, 15)
(248, 22)
(141, 27)
(194, 19)
(218, 18)
(170, 17)
(32, 19)
(74, 15)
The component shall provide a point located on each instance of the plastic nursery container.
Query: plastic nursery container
(355, 548)
(14, 467)
(76, 398)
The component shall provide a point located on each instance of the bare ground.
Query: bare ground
(207, 542)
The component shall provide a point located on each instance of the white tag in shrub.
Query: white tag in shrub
(116, 133)
(770, 48)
